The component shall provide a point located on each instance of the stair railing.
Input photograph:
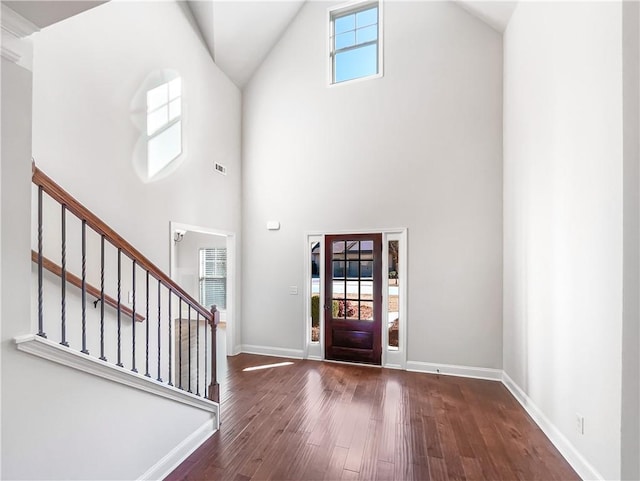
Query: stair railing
(163, 321)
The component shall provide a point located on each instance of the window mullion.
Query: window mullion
(354, 47)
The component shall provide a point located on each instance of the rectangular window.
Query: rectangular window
(315, 291)
(164, 127)
(213, 277)
(355, 42)
(394, 294)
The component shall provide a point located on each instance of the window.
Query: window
(213, 277)
(164, 125)
(355, 42)
(315, 291)
(394, 294)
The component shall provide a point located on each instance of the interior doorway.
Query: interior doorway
(203, 263)
(353, 298)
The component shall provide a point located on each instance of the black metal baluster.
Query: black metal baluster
(63, 277)
(170, 338)
(189, 347)
(197, 354)
(41, 332)
(102, 356)
(159, 323)
(147, 331)
(133, 319)
(84, 287)
(206, 358)
(119, 363)
(180, 344)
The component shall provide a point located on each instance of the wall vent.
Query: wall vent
(221, 169)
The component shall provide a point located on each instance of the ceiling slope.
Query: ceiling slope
(46, 12)
(496, 14)
(240, 34)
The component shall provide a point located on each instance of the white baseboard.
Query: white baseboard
(393, 366)
(453, 370)
(584, 469)
(177, 455)
(272, 351)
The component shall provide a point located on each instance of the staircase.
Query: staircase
(103, 308)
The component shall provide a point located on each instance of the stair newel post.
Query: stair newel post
(214, 387)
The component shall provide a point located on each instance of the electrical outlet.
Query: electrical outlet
(130, 298)
(293, 290)
(580, 424)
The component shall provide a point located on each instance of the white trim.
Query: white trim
(313, 350)
(584, 469)
(485, 373)
(15, 24)
(372, 230)
(397, 367)
(272, 351)
(177, 455)
(16, 48)
(47, 349)
(395, 359)
(10, 55)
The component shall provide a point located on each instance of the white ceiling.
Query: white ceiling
(239, 34)
(495, 13)
(43, 13)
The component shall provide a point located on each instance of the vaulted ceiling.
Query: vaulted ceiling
(43, 13)
(239, 33)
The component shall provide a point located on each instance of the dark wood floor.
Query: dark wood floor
(325, 421)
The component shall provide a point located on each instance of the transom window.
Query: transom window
(355, 42)
(164, 125)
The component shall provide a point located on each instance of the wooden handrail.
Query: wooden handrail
(72, 279)
(72, 205)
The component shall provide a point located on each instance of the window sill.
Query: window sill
(356, 80)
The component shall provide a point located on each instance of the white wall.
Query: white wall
(630, 440)
(563, 217)
(86, 70)
(14, 254)
(419, 148)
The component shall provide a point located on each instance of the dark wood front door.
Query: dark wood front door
(353, 302)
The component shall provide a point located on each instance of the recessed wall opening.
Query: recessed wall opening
(203, 264)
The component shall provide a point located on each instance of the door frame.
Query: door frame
(393, 359)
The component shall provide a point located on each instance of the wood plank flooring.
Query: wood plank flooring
(325, 421)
